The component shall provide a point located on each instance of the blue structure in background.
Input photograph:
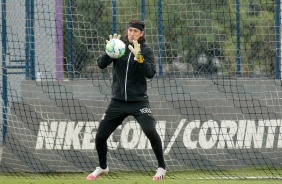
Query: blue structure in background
(238, 27)
(278, 40)
(28, 64)
(114, 16)
(160, 38)
(70, 40)
(30, 41)
(4, 71)
(143, 10)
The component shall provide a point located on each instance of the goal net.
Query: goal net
(216, 95)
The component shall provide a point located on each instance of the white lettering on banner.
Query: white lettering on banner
(132, 141)
(72, 135)
(227, 134)
(279, 144)
(187, 135)
(144, 142)
(112, 143)
(208, 142)
(60, 135)
(46, 134)
(241, 130)
(272, 125)
(253, 134)
(175, 135)
(89, 135)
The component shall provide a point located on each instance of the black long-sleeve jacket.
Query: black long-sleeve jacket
(129, 76)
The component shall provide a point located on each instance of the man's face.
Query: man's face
(134, 34)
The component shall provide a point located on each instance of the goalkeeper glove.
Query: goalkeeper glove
(113, 37)
(136, 51)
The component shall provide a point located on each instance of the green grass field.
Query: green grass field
(134, 181)
(188, 177)
(82, 180)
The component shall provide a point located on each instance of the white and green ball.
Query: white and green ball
(115, 48)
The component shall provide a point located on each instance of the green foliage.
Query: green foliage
(189, 29)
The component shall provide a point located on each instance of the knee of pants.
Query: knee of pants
(150, 132)
(148, 125)
(100, 138)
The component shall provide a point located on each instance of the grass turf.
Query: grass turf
(244, 176)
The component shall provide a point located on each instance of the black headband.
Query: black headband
(137, 25)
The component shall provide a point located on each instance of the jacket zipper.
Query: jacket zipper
(125, 83)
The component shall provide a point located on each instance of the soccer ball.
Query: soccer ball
(115, 48)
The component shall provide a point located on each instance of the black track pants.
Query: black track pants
(116, 112)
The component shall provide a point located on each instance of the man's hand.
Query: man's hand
(136, 51)
(113, 37)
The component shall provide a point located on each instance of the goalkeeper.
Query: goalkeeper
(129, 96)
